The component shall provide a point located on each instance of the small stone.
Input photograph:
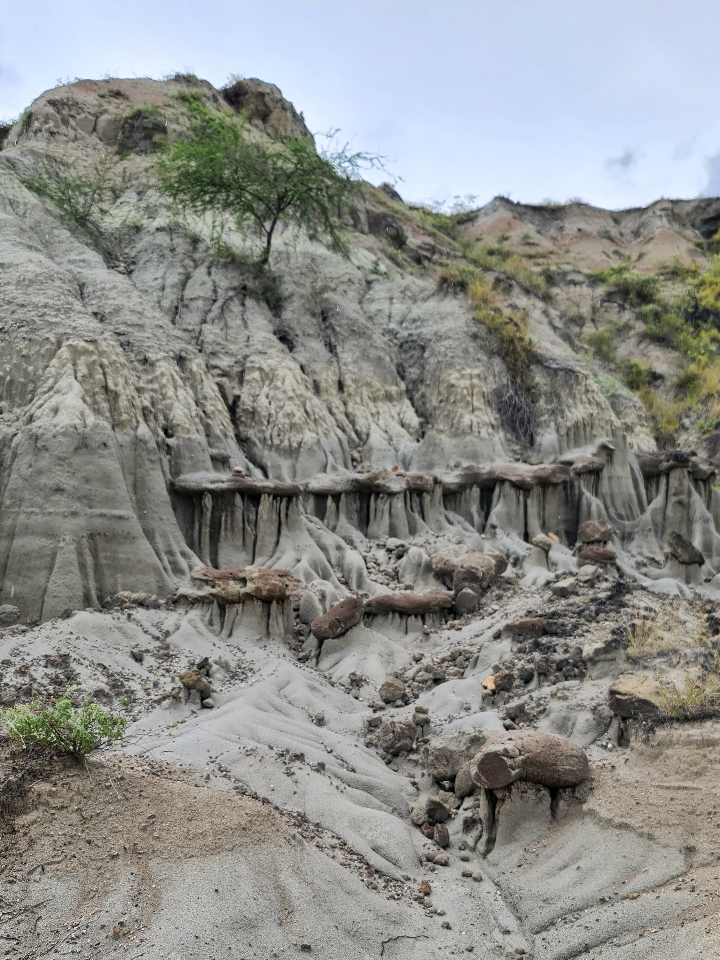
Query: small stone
(489, 684)
(564, 587)
(446, 925)
(319, 718)
(428, 830)
(436, 810)
(418, 815)
(137, 655)
(465, 857)
(438, 857)
(467, 873)
(441, 835)
(208, 703)
(477, 876)
(424, 889)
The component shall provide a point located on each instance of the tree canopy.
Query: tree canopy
(226, 168)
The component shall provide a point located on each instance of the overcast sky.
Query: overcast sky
(613, 101)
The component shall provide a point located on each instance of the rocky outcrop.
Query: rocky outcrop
(635, 697)
(447, 755)
(236, 586)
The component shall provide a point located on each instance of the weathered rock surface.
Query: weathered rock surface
(391, 689)
(339, 619)
(683, 550)
(542, 758)
(446, 755)
(635, 697)
(397, 736)
(409, 604)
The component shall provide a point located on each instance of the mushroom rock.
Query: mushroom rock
(543, 758)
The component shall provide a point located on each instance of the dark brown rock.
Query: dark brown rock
(392, 689)
(504, 680)
(683, 550)
(436, 810)
(594, 531)
(338, 620)
(595, 554)
(242, 583)
(428, 830)
(528, 755)
(441, 835)
(411, 604)
(192, 679)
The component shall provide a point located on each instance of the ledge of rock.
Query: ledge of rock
(543, 758)
(193, 484)
(372, 481)
(522, 475)
(410, 604)
(236, 586)
(596, 554)
(587, 465)
(635, 697)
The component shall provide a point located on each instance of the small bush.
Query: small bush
(602, 344)
(635, 288)
(77, 199)
(73, 731)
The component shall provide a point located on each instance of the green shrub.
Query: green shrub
(78, 199)
(602, 344)
(696, 698)
(635, 288)
(74, 731)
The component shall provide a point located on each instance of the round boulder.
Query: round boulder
(543, 758)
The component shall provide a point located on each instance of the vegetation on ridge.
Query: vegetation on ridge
(224, 169)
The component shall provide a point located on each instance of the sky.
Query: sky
(609, 101)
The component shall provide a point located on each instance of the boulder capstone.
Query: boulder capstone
(542, 758)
